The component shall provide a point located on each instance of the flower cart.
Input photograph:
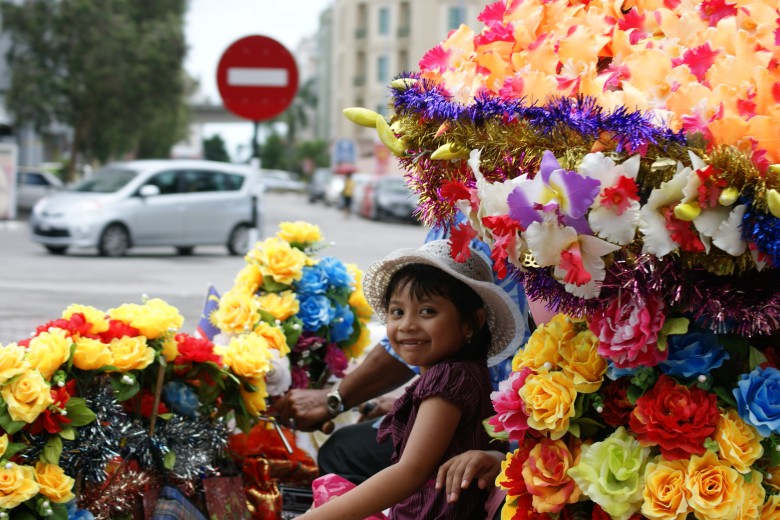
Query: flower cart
(623, 160)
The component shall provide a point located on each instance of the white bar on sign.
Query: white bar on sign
(257, 77)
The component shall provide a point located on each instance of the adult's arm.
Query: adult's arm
(377, 374)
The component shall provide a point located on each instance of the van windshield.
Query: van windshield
(106, 181)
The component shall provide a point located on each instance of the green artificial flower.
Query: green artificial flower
(611, 473)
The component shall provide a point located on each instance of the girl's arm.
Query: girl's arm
(433, 429)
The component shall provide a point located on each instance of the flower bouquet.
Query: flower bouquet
(310, 310)
(116, 401)
(622, 160)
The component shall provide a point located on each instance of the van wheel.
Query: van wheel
(238, 241)
(114, 241)
(185, 250)
(56, 250)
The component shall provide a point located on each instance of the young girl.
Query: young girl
(448, 318)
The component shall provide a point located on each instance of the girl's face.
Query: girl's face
(426, 331)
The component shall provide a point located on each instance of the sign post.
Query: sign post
(257, 78)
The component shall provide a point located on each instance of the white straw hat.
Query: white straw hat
(507, 327)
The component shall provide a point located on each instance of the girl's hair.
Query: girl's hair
(427, 280)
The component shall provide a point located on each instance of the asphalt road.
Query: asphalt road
(36, 287)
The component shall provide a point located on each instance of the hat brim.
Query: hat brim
(507, 327)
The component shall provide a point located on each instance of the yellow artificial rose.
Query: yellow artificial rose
(274, 336)
(95, 317)
(131, 353)
(542, 350)
(357, 300)
(170, 348)
(582, 363)
(3, 444)
(753, 501)
(664, 491)
(237, 312)
(153, 319)
(714, 488)
(91, 354)
(280, 305)
(299, 232)
(54, 483)
(249, 279)
(17, 485)
(12, 361)
(356, 349)
(247, 356)
(254, 402)
(356, 273)
(738, 442)
(771, 509)
(282, 262)
(27, 396)
(49, 350)
(549, 401)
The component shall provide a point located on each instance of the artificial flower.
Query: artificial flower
(542, 351)
(581, 362)
(611, 473)
(153, 319)
(247, 356)
(277, 259)
(299, 232)
(758, 399)
(696, 353)
(12, 361)
(549, 401)
(511, 415)
(238, 312)
(280, 305)
(17, 485)
(664, 495)
(96, 318)
(92, 354)
(131, 353)
(54, 483)
(48, 351)
(738, 442)
(546, 478)
(714, 489)
(26, 396)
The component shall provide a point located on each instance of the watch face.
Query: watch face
(333, 402)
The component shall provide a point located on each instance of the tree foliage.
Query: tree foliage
(112, 70)
(214, 149)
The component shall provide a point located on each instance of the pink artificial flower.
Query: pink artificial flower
(300, 377)
(336, 360)
(628, 331)
(510, 409)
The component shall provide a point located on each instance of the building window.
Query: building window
(456, 16)
(384, 21)
(403, 61)
(382, 69)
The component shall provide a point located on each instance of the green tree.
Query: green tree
(272, 153)
(214, 149)
(111, 70)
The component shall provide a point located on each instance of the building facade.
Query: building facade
(373, 41)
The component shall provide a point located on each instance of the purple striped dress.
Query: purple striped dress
(467, 385)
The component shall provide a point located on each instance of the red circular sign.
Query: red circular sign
(257, 78)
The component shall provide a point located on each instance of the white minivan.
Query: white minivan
(179, 203)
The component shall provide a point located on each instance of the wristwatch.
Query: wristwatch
(333, 401)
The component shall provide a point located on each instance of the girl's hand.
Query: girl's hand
(458, 472)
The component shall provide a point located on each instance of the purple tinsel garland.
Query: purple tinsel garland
(631, 130)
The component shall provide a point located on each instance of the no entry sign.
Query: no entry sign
(257, 78)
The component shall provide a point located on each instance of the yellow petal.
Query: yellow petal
(448, 151)
(773, 202)
(728, 196)
(388, 138)
(687, 211)
(361, 116)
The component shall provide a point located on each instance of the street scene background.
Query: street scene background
(36, 287)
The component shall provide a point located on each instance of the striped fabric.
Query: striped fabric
(173, 505)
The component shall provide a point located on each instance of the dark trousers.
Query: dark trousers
(353, 453)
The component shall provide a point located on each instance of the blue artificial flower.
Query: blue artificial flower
(315, 312)
(74, 513)
(614, 373)
(693, 354)
(758, 399)
(341, 326)
(314, 280)
(338, 276)
(181, 398)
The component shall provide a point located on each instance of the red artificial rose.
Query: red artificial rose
(676, 418)
(195, 350)
(146, 404)
(52, 421)
(77, 324)
(617, 407)
(118, 330)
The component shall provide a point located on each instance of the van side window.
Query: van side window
(167, 182)
(233, 182)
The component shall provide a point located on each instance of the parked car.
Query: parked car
(361, 181)
(179, 203)
(32, 186)
(318, 184)
(281, 181)
(333, 191)
(388, 197)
